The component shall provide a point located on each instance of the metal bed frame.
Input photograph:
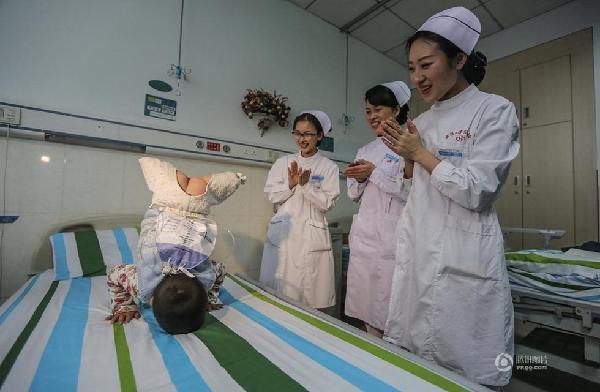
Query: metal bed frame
(534, 309)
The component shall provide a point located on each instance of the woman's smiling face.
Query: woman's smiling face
(377, 114)
(432, 72)
(306, 137)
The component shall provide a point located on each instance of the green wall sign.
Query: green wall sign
(160, 85)
(326, 144)
(160, 107)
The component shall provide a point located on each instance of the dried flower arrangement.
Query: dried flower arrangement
(271, 107)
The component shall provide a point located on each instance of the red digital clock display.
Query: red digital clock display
(213, 146)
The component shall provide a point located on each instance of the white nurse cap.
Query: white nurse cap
(323, 119)
(458, 25)
(400, 90)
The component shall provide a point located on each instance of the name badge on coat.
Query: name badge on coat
(316, 179)
(450, 153)
(389, 158)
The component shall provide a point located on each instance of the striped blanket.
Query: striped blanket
(555, 272)
(54, 338)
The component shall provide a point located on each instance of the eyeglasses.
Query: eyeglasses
(298, 135)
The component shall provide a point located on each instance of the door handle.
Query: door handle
(528, 180)
(516, 181)
(526, 112)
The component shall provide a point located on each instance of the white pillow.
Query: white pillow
(89, 253)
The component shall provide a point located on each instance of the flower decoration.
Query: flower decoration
(272, 108)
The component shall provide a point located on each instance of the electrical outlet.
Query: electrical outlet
(10, 115)
(248, 152)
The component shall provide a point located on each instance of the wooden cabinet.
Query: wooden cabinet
(546, 93)
(539, 192)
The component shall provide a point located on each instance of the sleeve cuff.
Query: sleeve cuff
(375, 177)
(407, 183)
(306, 188)
(441, 173)
(284, 193)
(360, 186)
(380, 179)
(289, 192)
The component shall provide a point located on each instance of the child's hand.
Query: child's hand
(210, 307)
(123, 317)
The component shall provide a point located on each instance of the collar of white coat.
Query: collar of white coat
(306, 159)
(456, 100)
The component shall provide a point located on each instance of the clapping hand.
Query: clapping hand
(304, 176)
(360, 170)
(293, 175)
(296, 175)
(405, 143)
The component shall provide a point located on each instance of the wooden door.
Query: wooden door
(548, 185)
(548, 199)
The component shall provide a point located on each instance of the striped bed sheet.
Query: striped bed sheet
(54, 338)
(556, 273)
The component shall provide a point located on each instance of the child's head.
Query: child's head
(179, 304)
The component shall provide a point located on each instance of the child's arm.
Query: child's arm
(122, 288)
(214, 303)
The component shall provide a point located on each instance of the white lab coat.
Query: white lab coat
(373, 234)
(450, 299)
(297, 257)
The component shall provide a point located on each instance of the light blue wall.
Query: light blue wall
(96, 57)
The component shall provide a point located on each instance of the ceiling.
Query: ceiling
(386, 24)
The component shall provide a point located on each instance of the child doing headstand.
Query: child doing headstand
(174, 274)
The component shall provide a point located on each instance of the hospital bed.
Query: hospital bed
(559, 291)
(54, 337)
